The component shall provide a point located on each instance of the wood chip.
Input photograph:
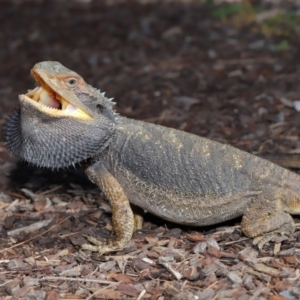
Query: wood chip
(267, 270)
(30, 228)
(169, 267)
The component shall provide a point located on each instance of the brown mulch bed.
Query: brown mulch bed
(170, 63)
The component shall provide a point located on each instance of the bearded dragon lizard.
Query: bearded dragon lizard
(180, 177)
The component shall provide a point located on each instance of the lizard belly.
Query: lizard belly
(188, 209)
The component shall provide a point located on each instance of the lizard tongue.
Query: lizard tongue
(48, 100)
(70, 108)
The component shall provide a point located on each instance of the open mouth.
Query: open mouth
(50, 99)
(50, 102)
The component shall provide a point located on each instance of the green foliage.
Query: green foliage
(225, 11)
(209, 3)
(239, 13)
(285, 24)
(282, 45)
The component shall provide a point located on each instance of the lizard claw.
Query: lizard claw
(261, 240)
(101, 246)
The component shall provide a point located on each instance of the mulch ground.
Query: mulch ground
(170, 63)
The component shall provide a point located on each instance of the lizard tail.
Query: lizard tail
(285, 160)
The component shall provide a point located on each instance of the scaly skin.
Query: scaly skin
(286, 160)
(177, 176)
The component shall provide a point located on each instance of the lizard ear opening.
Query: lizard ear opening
(99, 108)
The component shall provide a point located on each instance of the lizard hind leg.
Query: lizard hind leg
(264, 219)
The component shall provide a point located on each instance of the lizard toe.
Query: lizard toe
(101, 246)
(261, 240)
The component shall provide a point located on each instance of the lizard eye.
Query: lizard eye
(72, 82)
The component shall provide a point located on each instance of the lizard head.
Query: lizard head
(62, 121)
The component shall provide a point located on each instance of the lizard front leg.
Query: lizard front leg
(122, 215)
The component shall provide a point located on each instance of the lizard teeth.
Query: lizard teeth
(35, 93)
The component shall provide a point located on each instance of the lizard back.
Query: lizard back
(185, 178)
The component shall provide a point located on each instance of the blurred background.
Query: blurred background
(226, 70)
